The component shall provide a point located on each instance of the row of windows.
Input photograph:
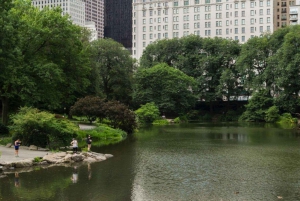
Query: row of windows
(218, 32)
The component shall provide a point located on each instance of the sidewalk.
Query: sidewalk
(8, 154)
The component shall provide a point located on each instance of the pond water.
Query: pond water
(176, 162)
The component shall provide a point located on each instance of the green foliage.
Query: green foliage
(90, 107)
(120, 116)
(287, 121)
(112, 67)
(5, 140)
(169, 88)
(193, 115)
(3, 129)
(147, 113)
(37, 159)
(102, 135)
(206, 117)
(160, 122)
(177, 120)
(272, 114)
(42, 128)
(257, 107)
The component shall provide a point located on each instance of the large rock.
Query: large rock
(77, 157)
(8, 145)
(33, 147)
(23, 163)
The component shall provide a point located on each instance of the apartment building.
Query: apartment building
(75, 8)
(94, 11)
(234, 19)
(294, 17)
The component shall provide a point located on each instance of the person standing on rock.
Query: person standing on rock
(89, 142)
(17, 145)
(74, 143)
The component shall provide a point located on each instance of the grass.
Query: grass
(5, 140)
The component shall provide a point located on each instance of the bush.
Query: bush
(193, 115)
(42, 128)
(206, 117)
(272, 114)
(230, 115)
(102, 135)
(160, 122)
(177, 120)
(257, 107)
(37, 159)
(147, 113)
(3, 129)
(286, 118)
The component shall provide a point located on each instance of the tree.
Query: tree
(120, 116)
(90, 107)
(114, 66)
(51, 58)
(169, 88)
(147, 113)
(257, 107)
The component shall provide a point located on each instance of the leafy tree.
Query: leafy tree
(147, 113)
(169, 88)
(272, 114)
(51, 58)
(42, 128)
(257, 106)
(120, 116)
(114, 67)
(90, 107)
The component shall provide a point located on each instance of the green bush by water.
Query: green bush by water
(160, 122)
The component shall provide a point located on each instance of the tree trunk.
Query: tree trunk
(4, 110)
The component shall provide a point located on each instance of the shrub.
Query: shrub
(230, 115)
(257, 107)
(272, 114)
(37, 160)
(177, 120)
(160, 122)
(42, 128)
(193, 115)
(147, 113)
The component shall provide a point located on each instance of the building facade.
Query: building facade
(94, 11)
(232, 19)
(118, 21)
(75, 8)
(294, 11)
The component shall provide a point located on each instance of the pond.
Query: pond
(176, 162)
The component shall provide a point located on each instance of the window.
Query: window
(150, 36)
(236, 22)
(261, 21)
(207, 24)
(197, 25)
(186, 2)
(144, 21)
(227, 14)
(207, 32)
(268, 3)
(252, 29)
(197, 33)
(218, 23)
(236, 30)
(144, 29)
(197, 17)
(243, 38)
(261, 12)
(261, 3)
(186, 18)
(261, 29)
(268, 12)
(227, 22)
(243, 29)
(236, 5)
(197, 1)
(159, 35)
(196, 9)
(166, 19)
(166, 35)
(243, 21)
(144, 44)
(236, 38)
(144, 13)
(151, 13)
(252, 4)
(144, 36)
(227, 6)
(218, 15)
(185, 10)
(252, 21)
(175, 3)
(166, 27)
(268, 19)
(243, 4)
(207, 8)
(207, 1)
(150, 20)
(166, 11)
(252, 12)
(207, 16)
(158, 27)
(268, 28)
(186, 25)
(159, 12)
(243, 13)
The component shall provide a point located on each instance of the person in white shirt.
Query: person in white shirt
(74, 143)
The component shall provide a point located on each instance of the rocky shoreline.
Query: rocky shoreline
(50, 159)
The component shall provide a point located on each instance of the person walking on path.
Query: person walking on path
(74, 143)
(17, 145)
(89, 142)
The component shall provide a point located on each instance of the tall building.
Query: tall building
(118, 21)
(294, 11)
(75, 8)
(235, 19)
(94, 11)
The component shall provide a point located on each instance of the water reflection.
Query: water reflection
(17, 181)
(74, 177)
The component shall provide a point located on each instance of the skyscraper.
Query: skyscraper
(118, 21)
(94, 11)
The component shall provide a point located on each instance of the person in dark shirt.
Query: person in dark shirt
(89, 142)
(17, 145)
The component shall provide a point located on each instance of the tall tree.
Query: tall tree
(169, 88)
(115, 67)
(51, 63)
